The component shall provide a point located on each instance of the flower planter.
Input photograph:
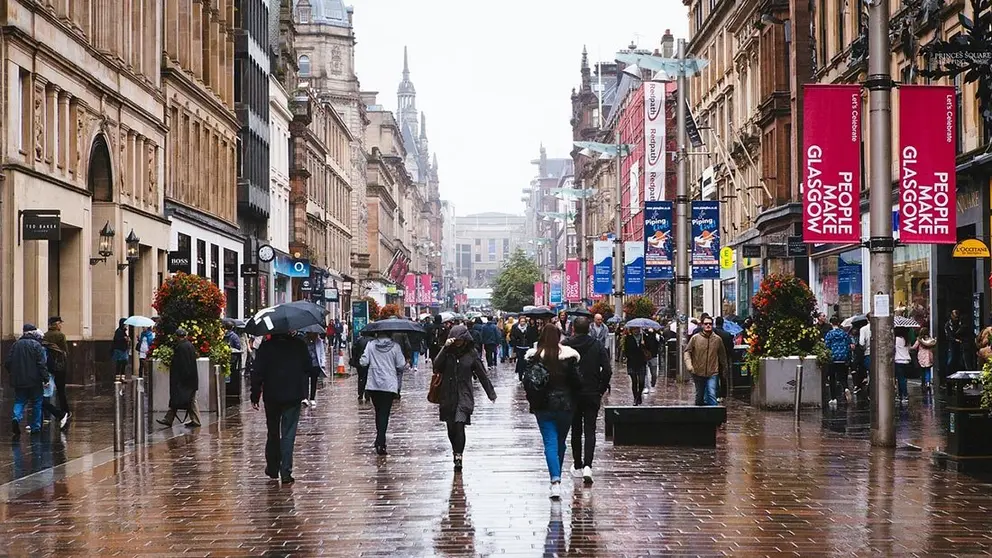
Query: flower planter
(775, 386)
(206, 394)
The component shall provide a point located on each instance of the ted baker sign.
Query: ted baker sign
(927, 152)
(832, 164)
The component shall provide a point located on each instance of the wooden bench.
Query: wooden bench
(685, 426)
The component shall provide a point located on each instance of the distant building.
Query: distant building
(482, 243)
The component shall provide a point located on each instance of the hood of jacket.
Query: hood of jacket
(564, 353)
(580, 343)
(460, 332)
(383, 345)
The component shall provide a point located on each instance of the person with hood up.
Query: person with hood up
(490, 341)
(184, 382)
(595, 374)
(120, 349)
(458, 364)
(386, 363)
(552, 397)
(28, 369)
(281, 377)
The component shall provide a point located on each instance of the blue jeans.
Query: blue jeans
(281, 421)
(23, 397)
(705, 390)
(928, 375)
(554, 427)
(415, 359)
(902, 368)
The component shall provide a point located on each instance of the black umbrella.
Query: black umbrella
(315, 328)
(292, 316)
(539, 313)
(392, 325)
(579, 311)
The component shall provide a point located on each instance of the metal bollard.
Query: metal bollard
(118, 414)
(139, 411)
(219, 382)
(799, 387)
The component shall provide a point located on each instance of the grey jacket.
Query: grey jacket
(386, 363)
(599, 333)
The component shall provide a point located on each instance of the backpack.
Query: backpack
(56, 358)
(535, 381)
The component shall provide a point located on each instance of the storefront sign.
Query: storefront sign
(539, 294)
(751, 251)
(726, 257)
(705, 240)
(572, 280)
(602, 259)
(633, 267)
(359, 317)
(291, 267)
(306, 285)
(331, 295)
(556, 290)
(249, 270)
(655, 152)
(927, 159)
(831, 163)
(658, 240)
(41, 224)
(796, 248)
(971, 248)
(180, 261)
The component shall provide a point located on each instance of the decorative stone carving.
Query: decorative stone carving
(123, 162)
(152, 171)
(80, 134)
(39, 129)
(336, 61)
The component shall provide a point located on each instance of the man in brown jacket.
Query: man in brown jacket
(706, 357)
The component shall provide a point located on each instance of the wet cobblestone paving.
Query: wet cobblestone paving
(768, 489)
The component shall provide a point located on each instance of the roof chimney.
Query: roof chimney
(667, 44)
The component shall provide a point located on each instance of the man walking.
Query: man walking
(600, 332)
(490, 340)
(840, 345)
(595, 374)
(706, 358)
(281, 377)
(184, 381)
(29, 375)
(54, 336)
(519, 342)
(954, 331)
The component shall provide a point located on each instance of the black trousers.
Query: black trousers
(383, 403)
(491, 355)
(521, 362)
(837, 377)
(584, 424)
(363, 378)
(313, 386)
(456, 435)
(59, 377)
(637, 384)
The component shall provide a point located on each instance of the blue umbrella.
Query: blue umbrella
(643, 323)
(732, 327)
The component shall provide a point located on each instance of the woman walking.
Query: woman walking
(458, 364)
(924, 354)
(637, 362)
(119, 350)
(386, 363)
(552, 396)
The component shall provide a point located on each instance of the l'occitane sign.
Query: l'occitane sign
(971, 248)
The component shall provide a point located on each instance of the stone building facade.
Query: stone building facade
(84, 137)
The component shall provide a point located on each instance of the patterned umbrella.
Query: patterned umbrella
(901, 321)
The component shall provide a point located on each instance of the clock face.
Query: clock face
(265, 253)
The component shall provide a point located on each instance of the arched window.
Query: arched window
(100, 176)
(304, 65)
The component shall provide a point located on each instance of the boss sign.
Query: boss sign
(927, 151)
(832, 163)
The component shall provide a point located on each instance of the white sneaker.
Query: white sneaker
(556, 491)
(313, 403)
(587, 475)
(847, 394)
(306, 402)
(577, 473)
(65, 420)
(832, 403)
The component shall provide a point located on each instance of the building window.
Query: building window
(478, 258)
(303, 14)
(305, 65)
(506, 247)
(215, 264)
(201, 258)
(959, 101)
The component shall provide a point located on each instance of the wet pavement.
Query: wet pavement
(769, 488)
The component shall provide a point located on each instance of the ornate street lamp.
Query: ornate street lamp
(132, 241)
(106, 248)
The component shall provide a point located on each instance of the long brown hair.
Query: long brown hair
(547, 347)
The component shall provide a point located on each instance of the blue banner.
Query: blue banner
(359, 317)
(602, 261)
(555, 282)
(658, 240)
(706, 240)
(633, 267)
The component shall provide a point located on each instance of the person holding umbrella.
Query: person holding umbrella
(458, 364)
(385, 361)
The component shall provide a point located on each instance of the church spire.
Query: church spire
(406, 66)
(423, 125)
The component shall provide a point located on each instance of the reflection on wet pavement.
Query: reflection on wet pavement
(769, 487)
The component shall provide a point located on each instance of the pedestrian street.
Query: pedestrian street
(767, 489)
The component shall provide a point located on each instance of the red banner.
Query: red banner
(410, 289)
(832, 163)
(424, 290)
(572, 281)
(927, 160)
(538, 294)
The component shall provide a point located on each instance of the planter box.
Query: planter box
(775, 387)
(206, 395)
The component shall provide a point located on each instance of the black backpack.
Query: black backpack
(56, 358)
(535, 381)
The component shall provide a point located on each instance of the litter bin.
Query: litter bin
(740, 377)
(969, 426)
(672, 347)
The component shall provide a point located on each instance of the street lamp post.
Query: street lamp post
(618, 240)
(880, 241)
(682, 227)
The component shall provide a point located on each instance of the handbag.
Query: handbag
(434, 392)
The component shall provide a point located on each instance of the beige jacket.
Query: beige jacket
(705, 355)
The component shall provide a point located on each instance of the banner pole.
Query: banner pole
(682, 217)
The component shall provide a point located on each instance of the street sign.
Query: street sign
(41, 224)
(249, 270)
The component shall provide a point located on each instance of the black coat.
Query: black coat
(636, 359)
(26, 364)
(595, 370)
(728, 341)
(183, 378)
(518, 338)
(457, 370)
(282, 371)
(563, 387)
(532, 335)
(651, 343)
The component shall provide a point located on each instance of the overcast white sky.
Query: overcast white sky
(495, 77)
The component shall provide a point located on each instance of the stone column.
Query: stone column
(63, 127)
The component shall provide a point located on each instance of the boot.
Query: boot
(458, 463)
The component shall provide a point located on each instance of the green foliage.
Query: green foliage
(639, 307)
(513, 288)
(195, 304)
(986, 380)
(783, 323)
